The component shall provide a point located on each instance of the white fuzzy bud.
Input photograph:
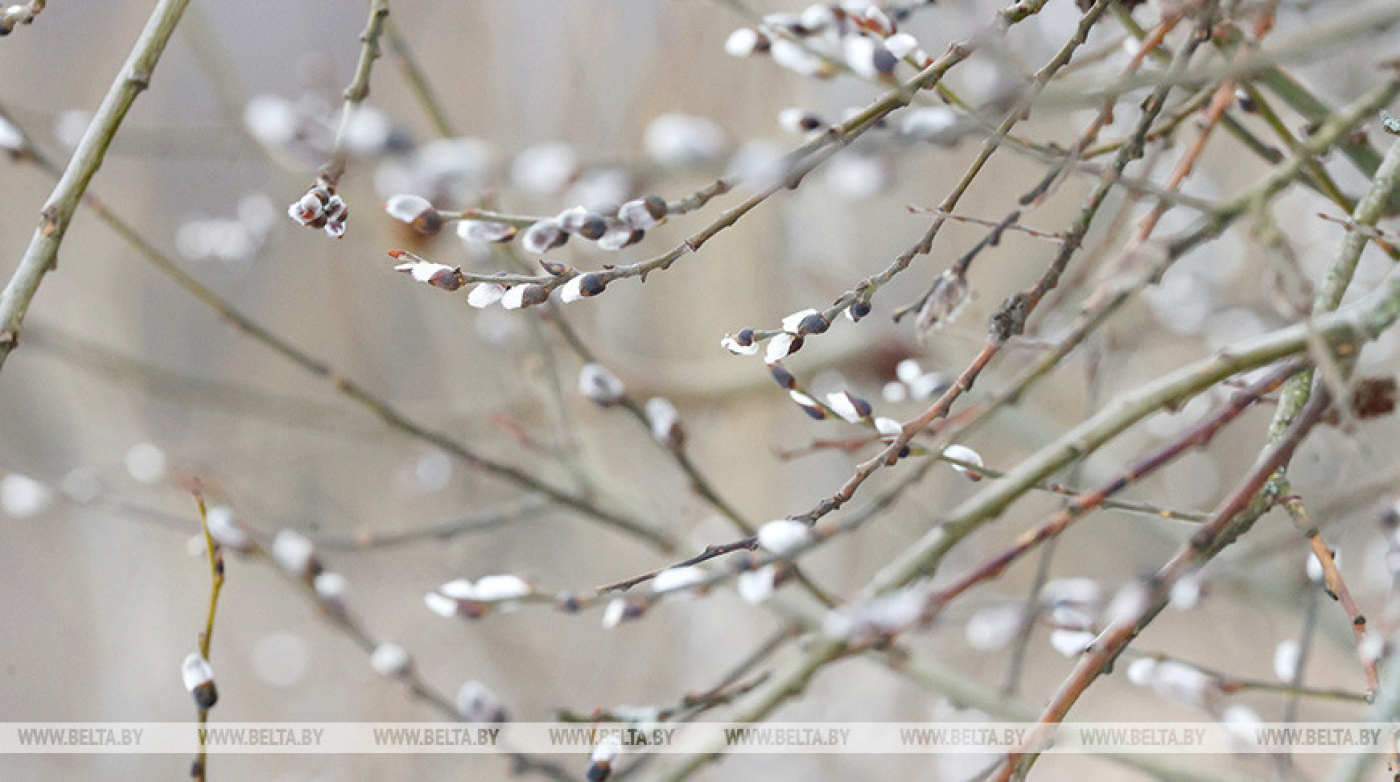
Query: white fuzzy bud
(486, 294)
(225, 531)
(477, 703)
(198, 677)
(733, 345)
(607, 750)
(778, 348)
(1186, 593)
(1287, 656)
(744, 42)
(992, 628)
(22, 496)
(1142, 671)
(1182, 682)
(390, 660)
(901, 45)
(600, 385)
(678, 579)
(665, 421)
(544, 169)
(440, 604)
(756, 586)
(331, 587)
(294, 552)
(501, 588)
(888, 427)
(784, 536)
(482, 231)
(684, 140)
(962, 453)
(1071, 643)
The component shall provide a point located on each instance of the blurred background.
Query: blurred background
(124, 383)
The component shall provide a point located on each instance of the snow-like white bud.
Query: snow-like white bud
(961, 453)
(935, 124)
(543, 235)
(482, 231)
(908, 371)
(620, 610)
(1186, 593)
(779, 347)
(390, 660)
(799, 121)
(477, 703)
(734, 345)
(1183, 682)
(225, 531)
(600, 385)
(888, 427)
(684, 140)
(295, 553)
(756, 586)
(901, 45)
(1142, 671)
(679, 579)
(331, 587)
(993, 627)
(440, 604)
(665, 422)
(791, 55)
(1287, 656)
(607, 751)
(415, 210)
(784, 536)
(1084, 591)
(486, 294)
(22, 496)
(1071, 643)
(198, 676)
(643, 213)
(544, 169)
(438, 275)
(501, 588)
(848, 406)
(744, 42)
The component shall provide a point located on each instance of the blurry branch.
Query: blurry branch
(1300, 408)
(333, 606)
(1208, 541)
(380, 408)
(1348, 326)
(57, 213)
(162, 382)
(417, 80)
(1198, 435)
(1115, 291)
(807, 157)
(1230, 684)
(1361, 20)
(483, 521)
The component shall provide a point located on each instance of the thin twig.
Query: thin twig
(57, 213)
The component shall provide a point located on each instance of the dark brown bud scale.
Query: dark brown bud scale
(782, 377)
(533, 294)
(592, 284)
(815, 323)
(206, 695)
